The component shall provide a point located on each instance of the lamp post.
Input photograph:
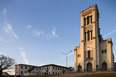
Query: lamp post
(66, 57)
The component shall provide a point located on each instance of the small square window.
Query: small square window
(21, 72)
(79, 55)
(21, 67)
(105, 50)
(102, 51)
(25, 67)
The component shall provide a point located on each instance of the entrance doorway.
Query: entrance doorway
(104, 66)
(89, 67)
(79, 68)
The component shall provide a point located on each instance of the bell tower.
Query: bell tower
(94, 53)
(89, 32)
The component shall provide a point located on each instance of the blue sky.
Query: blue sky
(36, 32)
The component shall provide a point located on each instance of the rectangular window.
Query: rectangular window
(91, 34)
(85, 36)
(105, 50)
(87, 20)
(84, 21)
(21, 72)
(79, 55)
(102, 51)
(89, 54)
(88, 35)
(21, 67)
(91, 18)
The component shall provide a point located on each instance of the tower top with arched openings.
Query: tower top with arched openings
(90, 22)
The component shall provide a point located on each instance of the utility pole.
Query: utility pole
(66, 57)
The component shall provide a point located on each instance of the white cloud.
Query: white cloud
(4, 11)
(7, 28)
(20, 48)
(33, 32)
(37, 33)
(23, 54)
(110, 33)
(29, 26)
(52, 34)
(41, 33)
(3, 40)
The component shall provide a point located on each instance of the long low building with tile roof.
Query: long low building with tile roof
(24, 69)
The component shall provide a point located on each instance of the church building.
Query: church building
(94, 53)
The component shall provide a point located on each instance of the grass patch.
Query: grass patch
(102, 75)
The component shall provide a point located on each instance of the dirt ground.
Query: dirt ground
(83, 74)
(74, 75)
